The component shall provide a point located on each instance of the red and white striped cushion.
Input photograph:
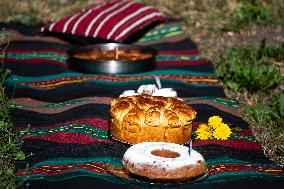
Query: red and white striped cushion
(115, 20)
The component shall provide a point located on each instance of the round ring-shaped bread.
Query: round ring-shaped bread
(163, 161)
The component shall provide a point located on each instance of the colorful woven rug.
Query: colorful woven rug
(63, 116)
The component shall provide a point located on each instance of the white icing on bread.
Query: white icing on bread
(166, 92)
(147, 89)
(151, 89)
(140, 155)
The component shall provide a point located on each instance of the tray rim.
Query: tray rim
(112, 66)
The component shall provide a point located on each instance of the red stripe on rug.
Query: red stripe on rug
(180, 52)
(59, 169)
(16, 50)
(181, 62)
(67, 138)
(63, 52)
(94, 122)
(245, 132)
(35, 61)
(234, 143)
(220, 168)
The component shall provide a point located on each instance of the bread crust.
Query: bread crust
(153, 172)
(145, 118)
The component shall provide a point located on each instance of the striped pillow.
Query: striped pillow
(114, 20)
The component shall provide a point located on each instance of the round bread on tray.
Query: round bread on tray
(145, 118)
(164, 161)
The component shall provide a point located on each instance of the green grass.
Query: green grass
(9, 143)
(251, 69)
(267, 121)
(252, 72)
(35, 12)
(254, 12)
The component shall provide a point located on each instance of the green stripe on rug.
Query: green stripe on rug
(72, 174)
(179, 57)
(226, 102)
(6, 35)
(242, 137)
(74, 128)
(117, 162)
(76, 161)
(219, 177)
(55, 105)
(222, 101)
(17, 78)
(63, 58)
(225, 176)
(162, 33)
(43, 55)
(229, 160)
(124, 83)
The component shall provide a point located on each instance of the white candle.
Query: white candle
(190, 146)
(158, 82)
(116, 54)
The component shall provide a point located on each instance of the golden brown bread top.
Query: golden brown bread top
(151, 110)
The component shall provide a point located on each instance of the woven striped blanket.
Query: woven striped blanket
(62, 115)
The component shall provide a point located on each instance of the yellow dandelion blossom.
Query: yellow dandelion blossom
(204, 132)
(214, 121)
(222, 132)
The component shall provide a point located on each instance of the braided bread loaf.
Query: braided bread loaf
(145, 118)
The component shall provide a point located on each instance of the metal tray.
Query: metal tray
(120, 172)
(109, 65)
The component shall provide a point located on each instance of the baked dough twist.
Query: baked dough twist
(145, 118)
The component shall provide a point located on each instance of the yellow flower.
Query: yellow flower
(203, 132)
(214, 122)
(215, 129)
(222, 132)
